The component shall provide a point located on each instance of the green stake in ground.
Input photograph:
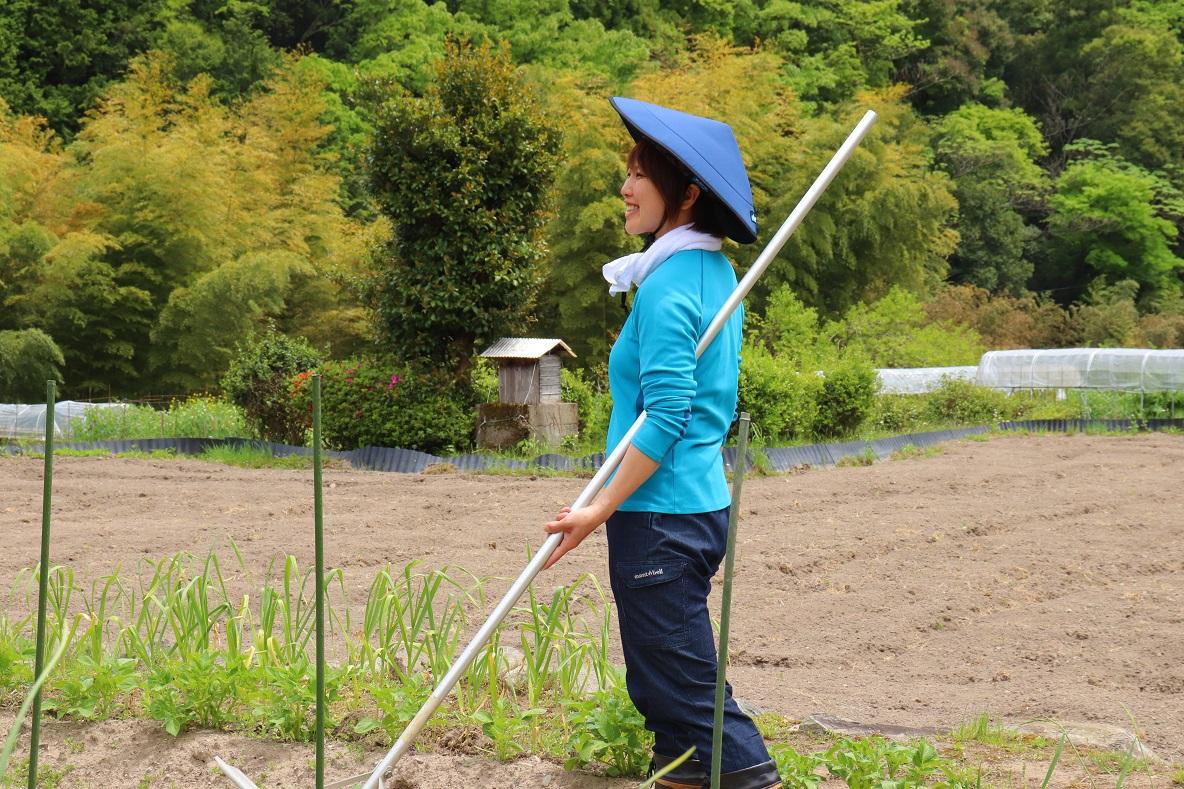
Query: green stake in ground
(319, 549)
(43, 581)
(233, 773)
(717, 734)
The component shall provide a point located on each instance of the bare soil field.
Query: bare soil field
(1027, 577)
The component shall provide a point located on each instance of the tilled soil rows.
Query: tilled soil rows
(1025, 577)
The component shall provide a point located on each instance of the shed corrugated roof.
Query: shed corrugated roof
(524, 348)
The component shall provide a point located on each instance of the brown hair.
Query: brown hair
(671, 180)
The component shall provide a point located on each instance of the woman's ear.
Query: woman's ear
(690, 196)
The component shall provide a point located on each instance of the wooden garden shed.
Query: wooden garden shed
(528, 369)
(529, 394)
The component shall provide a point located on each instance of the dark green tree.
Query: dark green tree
(1111, 221)
(28, 359)
(99, 319)
(1109, 70)
(833, 48)
(224, 41)
(56, 56)
(992, 154)
(463, 175)
(970, 43)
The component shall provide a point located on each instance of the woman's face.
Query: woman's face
(644, 207)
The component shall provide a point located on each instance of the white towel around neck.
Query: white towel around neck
(624, 272)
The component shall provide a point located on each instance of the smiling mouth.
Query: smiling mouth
(630, 209)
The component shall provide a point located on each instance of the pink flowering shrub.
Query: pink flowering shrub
(380, 402)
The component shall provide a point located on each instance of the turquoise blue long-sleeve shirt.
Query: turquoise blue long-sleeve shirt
(689, 404)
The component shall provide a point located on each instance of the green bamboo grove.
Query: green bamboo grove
(163, 164)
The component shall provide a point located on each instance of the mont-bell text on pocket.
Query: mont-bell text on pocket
(647, 574)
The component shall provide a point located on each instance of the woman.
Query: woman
(666, 507)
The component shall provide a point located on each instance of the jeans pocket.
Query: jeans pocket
(651, 602)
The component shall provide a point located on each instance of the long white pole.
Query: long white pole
(461, 664)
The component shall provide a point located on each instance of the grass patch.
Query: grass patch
(156, 454)
(197, 417)
(910, 451)
(865, 458)
(254, 457)
(983, 731)
(66, 452)
(49, 776)
(505, 470)
(1114, 763)
(773, 726)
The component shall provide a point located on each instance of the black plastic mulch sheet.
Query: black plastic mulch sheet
(777, 459)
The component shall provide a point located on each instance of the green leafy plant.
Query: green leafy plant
(14, 651)
(90, 689)
(798, 771)
(782, 401)
(200, 690)
(14, 732)
(876, 763)
(380, 402)
(845, 399)
(281, 699)
(965, 403)
(258, 381)
(397, 704)
(607, 728)
(507, 724)
(194, 417)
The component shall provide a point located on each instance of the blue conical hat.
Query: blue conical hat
(705, 147)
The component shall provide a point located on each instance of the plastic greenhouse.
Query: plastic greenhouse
(1114, 369)
(919, 380)
(28, 421)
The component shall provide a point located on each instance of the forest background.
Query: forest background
(192, 191)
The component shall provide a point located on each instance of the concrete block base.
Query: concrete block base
(502, 425)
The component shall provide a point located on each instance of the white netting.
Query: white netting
(919, 380)
(1116, 369)
(28, 421)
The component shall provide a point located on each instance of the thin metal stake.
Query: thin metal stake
(43, 582)
(717, 734)
(237, 776)
(319, 540)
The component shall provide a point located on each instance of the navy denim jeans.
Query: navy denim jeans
(660, 567)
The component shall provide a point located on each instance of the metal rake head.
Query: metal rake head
(243, 782)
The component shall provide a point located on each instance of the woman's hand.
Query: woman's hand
(575, 526)
(635, 469)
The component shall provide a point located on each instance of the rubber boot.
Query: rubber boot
(759, 776)
(689, 775)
